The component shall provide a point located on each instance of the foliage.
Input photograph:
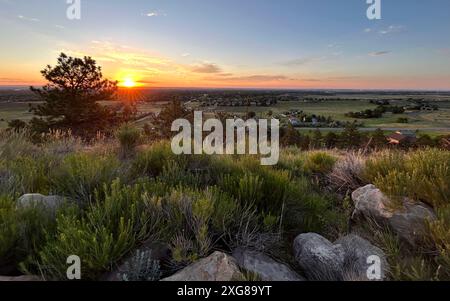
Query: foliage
(129, 138)
(70, 99)
(9, 229)
(80, 174)
(141, 267)
(319, 163)
(120, 217)
(162, 123)
(151, 162)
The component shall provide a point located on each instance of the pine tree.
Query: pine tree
(71, 98)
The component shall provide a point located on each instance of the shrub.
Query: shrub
(347, 174)
(381, 163)
(440, 238)
(141, 267)
(29, 174)
(129, 138)
(292, 161)
(309, 211)
(121, 217)
(422, 175)
(319, 163)
(151, 162)
(79, 175)
(247, 189)
(9, 229)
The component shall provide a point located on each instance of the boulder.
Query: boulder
(217, 267)
(36, 199)
(351, 258)
(20, 279)
(319, 258)
(358, 259)
(408, 222)
(265, 267)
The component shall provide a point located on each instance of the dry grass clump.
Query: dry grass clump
(348, 172)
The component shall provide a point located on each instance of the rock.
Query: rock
(264, 266)
(349, 258)
(319, 258)
(371, 202)
(36, 199)
(407, 222)
(216, 267)
(159, 252)
(358, 253)
(20, 279)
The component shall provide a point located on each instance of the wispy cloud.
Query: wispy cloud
(206, 68)
(186, 54)
(379, 53)
(256, 78)
(22, 17)
(392, 29)
(156, 13)
(303, 61)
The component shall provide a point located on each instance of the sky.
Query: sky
(304, 44)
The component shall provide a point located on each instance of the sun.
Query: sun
(128, 83)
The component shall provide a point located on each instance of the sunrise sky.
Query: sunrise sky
(234, 43)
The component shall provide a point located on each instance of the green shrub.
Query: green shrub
(129, 137)
(141, 267)
(151, 162)
(9, 229)
(79, 175)
(421, 175)
(319, 163)
(121, 217)
(29, 174)
(292, 161)
(440, 238)
(380, 164)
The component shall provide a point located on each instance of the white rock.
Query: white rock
(264, 266)
(217, 267)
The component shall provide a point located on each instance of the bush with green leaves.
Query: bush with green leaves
(29, 174)
(80, 174)
(120, 218)
(129, 138)
(9, 230)
(141, 267)
(151, 161)
(421, 175)
(319, 163)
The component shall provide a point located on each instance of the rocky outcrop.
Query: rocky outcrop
(36, 199)
(349, 258)
(360, 256)
(319, 258)
(20, 279)
(264, 267)
(217, 267)
(408, 221)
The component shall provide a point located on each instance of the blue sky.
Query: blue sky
(231, 43)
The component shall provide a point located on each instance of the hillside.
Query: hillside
(138, 212)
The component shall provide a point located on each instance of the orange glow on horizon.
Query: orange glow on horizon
(128, 83)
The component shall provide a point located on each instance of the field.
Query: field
(430, 122)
